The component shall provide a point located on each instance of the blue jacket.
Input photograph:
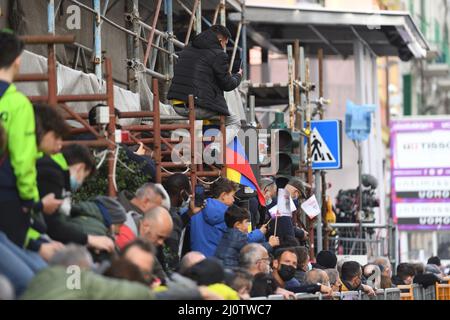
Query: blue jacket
(208, 227)
(256, 236)
(229, 247)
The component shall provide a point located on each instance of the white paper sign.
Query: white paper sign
(311, 207)
(285, 206)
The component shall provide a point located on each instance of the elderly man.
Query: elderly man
(373, 272)
(317, 276)
(190, 259)
(147, 197)
(335, 280)
(269, 188)
(255, 259)
(285, 225)
(156, 226)
(385, 266)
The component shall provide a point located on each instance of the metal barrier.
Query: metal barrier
(392, 294)
(429, 293)
(351, 295)
(307, 296)
(406, 292)
(442, 292)
(379, 295)
(418, 292)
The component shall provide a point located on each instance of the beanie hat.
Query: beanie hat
(115, 210)
(206, 272)
(327, 259)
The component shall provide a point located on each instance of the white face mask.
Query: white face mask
(309, 267)
(186, 202)
(66, 206)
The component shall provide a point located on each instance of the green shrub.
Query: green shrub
(125, 179)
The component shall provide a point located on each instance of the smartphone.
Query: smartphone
(199, 195)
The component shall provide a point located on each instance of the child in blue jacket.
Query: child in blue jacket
(236, 237)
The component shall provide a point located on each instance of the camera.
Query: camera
(347, 202)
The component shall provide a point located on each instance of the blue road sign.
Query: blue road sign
(326, 144)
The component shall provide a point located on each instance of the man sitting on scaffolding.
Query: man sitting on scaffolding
(203, 71)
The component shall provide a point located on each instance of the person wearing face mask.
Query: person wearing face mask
(284, 268)
(255, 259)
(351, 274)
(63, 174)
(182, 209)
(285, 225)
(269, 189)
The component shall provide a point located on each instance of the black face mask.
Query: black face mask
(286, 272)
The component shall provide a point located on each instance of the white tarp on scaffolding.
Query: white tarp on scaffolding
(72, 81)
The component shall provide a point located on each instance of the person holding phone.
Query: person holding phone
(202, 70)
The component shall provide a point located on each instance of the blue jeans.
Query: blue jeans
(18, 265)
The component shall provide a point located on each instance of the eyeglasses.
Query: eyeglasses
(268, 186)
(268, 260)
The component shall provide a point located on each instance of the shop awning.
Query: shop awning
(384, 33)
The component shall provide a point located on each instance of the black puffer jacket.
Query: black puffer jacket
(202, 70)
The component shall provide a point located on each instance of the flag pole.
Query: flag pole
(276, 224)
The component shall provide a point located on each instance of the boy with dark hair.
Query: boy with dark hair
(405, 274)
(208, 226)
(51, 128)
(63, 174)
(18, 188)
(25, 228)
(236, 237)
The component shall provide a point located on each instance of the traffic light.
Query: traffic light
(287, 150)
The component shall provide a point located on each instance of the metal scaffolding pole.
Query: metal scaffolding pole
(136, 41)
(244, 43)
(169, 13)
(292, 108)
(98, 39)
(223, 17)
(152, 33)
(198, 21)
(235, 46)
(51, 16)
(191, 21)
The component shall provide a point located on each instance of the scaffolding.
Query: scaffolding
(155, 43)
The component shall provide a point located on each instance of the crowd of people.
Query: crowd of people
(156, 242)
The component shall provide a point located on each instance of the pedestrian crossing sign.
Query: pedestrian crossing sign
(326, 144)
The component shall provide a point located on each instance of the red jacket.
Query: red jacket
(125, 236)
